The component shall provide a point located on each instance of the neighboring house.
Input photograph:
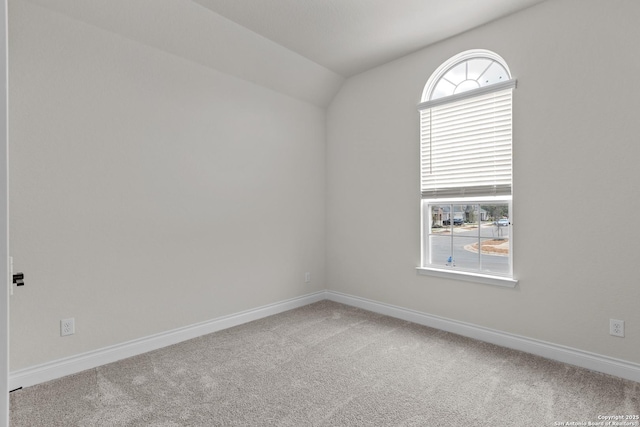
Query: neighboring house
(443, 213)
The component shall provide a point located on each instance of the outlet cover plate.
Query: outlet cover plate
(67, 327)
(616, 327)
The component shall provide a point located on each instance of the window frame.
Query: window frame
(439, 270)
(451, 63)
(429, 269)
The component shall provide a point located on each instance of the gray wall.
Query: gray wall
(148, 192)
(575, 202)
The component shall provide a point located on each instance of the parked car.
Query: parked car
(456, 221)
(503, 222)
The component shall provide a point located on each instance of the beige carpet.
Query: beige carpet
(328, 364)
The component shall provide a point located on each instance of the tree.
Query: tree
(496, 212)
(470, 213)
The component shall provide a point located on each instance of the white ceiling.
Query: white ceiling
(300, 48)
(351, 36)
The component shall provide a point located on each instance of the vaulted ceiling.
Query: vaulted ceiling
(301, 48)
(351, 36)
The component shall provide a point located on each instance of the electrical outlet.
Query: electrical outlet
(67, 327)
(616, 327)
(307, 277)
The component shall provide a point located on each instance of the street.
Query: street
(442, 248)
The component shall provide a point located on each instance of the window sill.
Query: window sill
(468, 277)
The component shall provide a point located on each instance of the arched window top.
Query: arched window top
(469, 70)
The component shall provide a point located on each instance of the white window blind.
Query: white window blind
(466, 146)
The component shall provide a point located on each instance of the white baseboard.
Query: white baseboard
(571, 356)
(74, 364)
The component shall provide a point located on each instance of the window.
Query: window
(466, 173)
